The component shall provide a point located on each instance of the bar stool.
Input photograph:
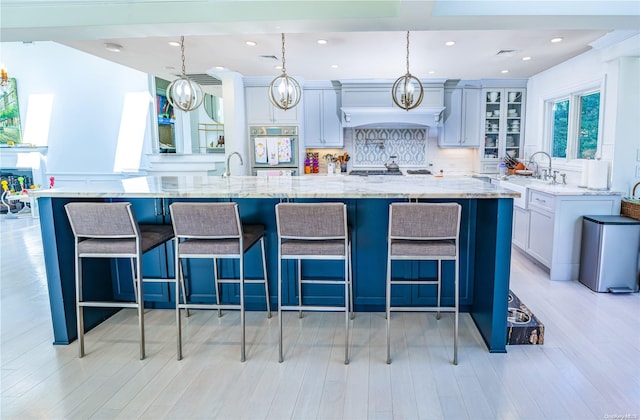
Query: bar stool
(314, 231)
(424, 231)
(110, 230)
(214, 230)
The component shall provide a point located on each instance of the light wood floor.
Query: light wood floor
(588, 368)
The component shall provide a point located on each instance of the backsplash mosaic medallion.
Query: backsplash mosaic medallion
(373, 146)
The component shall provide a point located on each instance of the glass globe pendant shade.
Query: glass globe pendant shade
(184, 94)
(284, 92)
(403, 92)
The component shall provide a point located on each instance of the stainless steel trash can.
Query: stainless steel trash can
(609, 253)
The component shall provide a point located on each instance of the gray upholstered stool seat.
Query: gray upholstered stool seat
(214, 231)
(424, 231)
(314, 231)
(110, 230)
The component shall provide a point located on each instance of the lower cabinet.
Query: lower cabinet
(540, 241)
(520, 227)
(550, 228)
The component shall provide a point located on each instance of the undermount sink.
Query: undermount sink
(527, 180)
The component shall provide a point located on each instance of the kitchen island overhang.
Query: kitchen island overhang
(485, 238)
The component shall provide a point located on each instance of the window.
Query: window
(560, 128)
(574, 125)
(588, 128)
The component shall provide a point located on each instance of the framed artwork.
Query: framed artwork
(10, 132)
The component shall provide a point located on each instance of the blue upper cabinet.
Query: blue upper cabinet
(322, 125)
(461, 118)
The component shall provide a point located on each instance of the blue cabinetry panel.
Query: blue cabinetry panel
(485, 246)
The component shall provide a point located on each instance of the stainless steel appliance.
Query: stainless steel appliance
(363, 172)
(609, 253)
(273, 149)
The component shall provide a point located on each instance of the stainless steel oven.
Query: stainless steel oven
(273, 148)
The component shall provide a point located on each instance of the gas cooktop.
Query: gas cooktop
(362, 172)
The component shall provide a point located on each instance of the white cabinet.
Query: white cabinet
(555, 228)
(461, 118)
(541, 218)
(520, 227)
(547, 222)
(260, 110)
(322, 125)
(503, 116)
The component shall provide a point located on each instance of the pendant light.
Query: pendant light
(404, 89)
(183, 93)
(284, 91)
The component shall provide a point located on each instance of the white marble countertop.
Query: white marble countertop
(309, 186)
(555, 189)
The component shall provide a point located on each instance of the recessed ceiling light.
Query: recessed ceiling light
(450, 43)
(174, 43)
(219, 68)
(527, 58)
(278, 67)
(557, 39)
(504, 71)
(322, 41)
(334, 66)
(431, 72)
(251, 43)
(110, 46)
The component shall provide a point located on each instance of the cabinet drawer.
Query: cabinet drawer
(541, 200)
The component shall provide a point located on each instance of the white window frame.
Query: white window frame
(573, 95)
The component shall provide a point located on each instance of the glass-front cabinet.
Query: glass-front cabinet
(503, 126)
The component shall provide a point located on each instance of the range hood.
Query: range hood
(391, 117)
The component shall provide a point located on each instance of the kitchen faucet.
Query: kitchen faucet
(227, 171)
(548, 173)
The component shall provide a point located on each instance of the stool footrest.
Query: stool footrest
(159, 279)
(416, 282)
(236, 281)
(206, 306)
(318, 281)
(100, 304)
(313, 308)
(422, 309)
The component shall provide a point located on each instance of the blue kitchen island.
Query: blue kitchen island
(485, 244)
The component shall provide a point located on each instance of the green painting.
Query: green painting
(9, 114)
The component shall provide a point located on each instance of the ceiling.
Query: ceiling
(365, 39)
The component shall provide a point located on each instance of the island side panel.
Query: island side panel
(58, 248)
(492, 271)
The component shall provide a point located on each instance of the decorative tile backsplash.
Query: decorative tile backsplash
(373, 146)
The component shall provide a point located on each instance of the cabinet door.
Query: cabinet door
(280, 116)
(513, 111)
(322, 126)
(503, 116)
(470, 127)
(331, 124)
(461, 125)
(313, 118)
(541, 236)
(491, 143)
(520, 227)
(452, 119)
(261, 111)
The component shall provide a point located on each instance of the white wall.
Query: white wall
(88, 99)
(617, 67)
